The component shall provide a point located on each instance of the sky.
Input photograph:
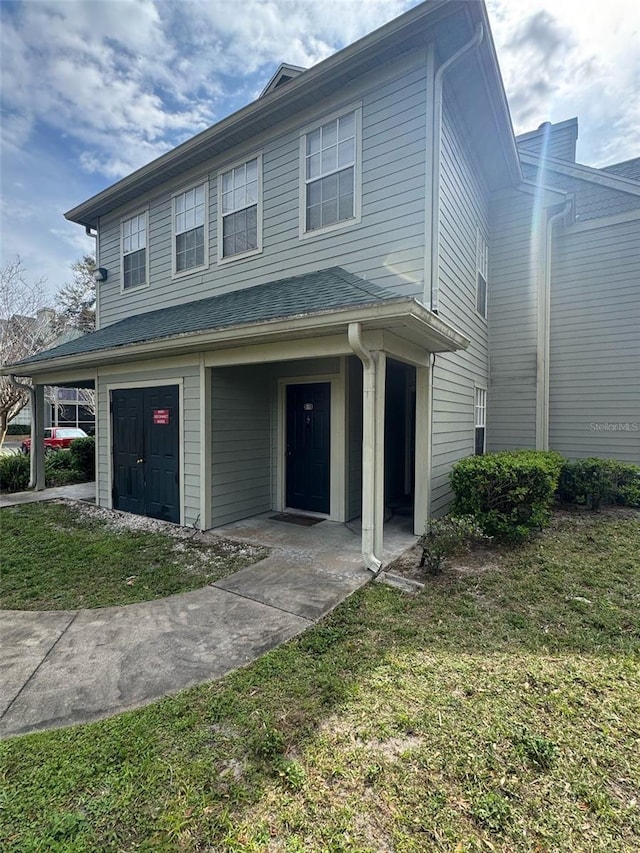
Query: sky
(93, 89)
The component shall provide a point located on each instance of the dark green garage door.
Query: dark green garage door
(146, 452)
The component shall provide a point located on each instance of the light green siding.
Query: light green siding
(595, 342)
(463, 207)
(386, 246)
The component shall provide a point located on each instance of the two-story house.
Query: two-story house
(323, 301)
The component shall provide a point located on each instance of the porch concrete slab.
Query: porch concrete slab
(77, 492)
(115, 658)
(26, 638)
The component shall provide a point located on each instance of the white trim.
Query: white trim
(303, 233)
(147, 383)
(583, 173)
(206, 415)
(124, 219)
(482, 269)
(98, 284)
(482, 407)
(220, 247)
(185, 189)
(337, 459)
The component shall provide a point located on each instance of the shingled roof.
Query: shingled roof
(311, 293)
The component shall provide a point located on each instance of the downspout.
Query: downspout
(544, 333)
(32, 399)
(368, 445)
(436, 147)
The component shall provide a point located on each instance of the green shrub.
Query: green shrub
(445, 538)
(83, 451)
(62, 477)
(510, 493)
(593, 482)
(14, 472)
(59, 460)
(18, 429)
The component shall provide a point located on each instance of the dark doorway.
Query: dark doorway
(399, 439)
(308, 442)
(146, 463)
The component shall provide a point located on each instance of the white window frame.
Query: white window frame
(241, 255)
(479, 416)
(482, 269)
(175, 273)
(303, 233)
(127, 218)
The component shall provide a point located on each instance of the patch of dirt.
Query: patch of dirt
(395, 747)
(479, 559)
(487, 558)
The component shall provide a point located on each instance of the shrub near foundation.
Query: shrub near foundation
(510, 494)
(83, 453)
(593, 482)
(14, 472)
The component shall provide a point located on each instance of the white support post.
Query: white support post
(37, 443)
(205, 445)
(422, 507)
(380, 359)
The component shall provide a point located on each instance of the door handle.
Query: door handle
(139, 461)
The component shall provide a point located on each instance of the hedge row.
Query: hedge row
(511, 493)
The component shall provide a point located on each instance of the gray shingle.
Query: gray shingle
(629, 169)
(330, 289)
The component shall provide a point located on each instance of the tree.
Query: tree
(76, 300)
(26, 327)
(76, 303)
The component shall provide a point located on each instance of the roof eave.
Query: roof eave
(436, 336)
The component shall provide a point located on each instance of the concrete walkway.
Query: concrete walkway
(64, 667)
(78, 492)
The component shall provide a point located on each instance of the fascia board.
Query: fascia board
(584, 173)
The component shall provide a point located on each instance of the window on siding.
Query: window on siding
(239, 195)
(134, 251)
(480, 421)
(189, 218)
(330, 173)
(482, 273)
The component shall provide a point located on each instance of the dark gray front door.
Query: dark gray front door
(308, 446)
(146, 452)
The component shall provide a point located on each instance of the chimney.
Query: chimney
(552, 140)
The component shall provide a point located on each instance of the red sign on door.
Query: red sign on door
(161, 416)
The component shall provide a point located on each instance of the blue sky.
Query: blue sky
(92, 89)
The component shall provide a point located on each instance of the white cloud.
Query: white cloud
(575, 58)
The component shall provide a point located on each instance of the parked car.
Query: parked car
(56, 438)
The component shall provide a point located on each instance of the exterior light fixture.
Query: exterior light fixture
(100, 274)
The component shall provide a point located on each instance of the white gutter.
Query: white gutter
(34, 446)
(368, 446)
(544, 334)
(436, 146)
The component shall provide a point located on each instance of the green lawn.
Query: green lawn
(55, 556)
(498, 710)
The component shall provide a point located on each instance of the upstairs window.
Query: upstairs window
(134, 251)
(482, 273)
(239, 202)
(189, 228)
(330, 171)
(480, 421)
